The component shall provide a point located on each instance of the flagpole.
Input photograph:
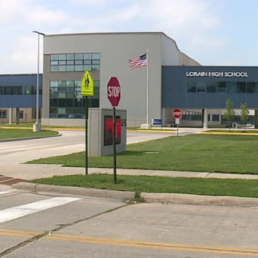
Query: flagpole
(147, 91)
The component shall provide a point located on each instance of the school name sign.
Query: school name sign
(217, 74)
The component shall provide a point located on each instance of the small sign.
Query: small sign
(156, 121)
(177, 113)
(87, 84)
(114, 91)
(177, 121)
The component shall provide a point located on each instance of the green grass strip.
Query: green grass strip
(24, 133)
(198, 152)
(153, 184)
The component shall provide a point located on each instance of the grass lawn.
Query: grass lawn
(196, 152)
(30, 125)
(11, 133)
(233, 131)
(198, 186)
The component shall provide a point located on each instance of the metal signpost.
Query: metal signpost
(114, 95)
(87, 89)
(177, 113)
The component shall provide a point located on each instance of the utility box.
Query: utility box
(100, 131)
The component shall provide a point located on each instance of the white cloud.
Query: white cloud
(89, 2)
(194, 25)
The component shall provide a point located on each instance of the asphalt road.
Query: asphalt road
(41, 225)
(16, 152)
(55, 225)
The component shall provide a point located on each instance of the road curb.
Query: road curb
(146, 197)
(199, 199)
(102, 193)
(29, 138)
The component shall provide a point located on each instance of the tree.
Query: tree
(230, 112)
(244, 113)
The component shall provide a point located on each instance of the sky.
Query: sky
(213, 32)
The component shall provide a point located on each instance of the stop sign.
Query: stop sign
(177, 113)
(114, 91)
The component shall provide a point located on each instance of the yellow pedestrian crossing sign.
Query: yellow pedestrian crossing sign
(87, 84)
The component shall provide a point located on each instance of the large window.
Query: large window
(75, 62)
(66, 100)
(3, 113)
(210, 86)
(19, 90)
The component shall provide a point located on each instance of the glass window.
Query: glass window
(96, 62)
(66, 95)
(70, 95)
(53, 95)
(54, 62)
(28, 90)
(250, 87)
(70, 56)
(241, 87)
(95, 55)
(34, 90)
(78, 62)
(62, 68)
(95, 68)
(78, 102)
(62, 57)
(77, 83)
(3, 113)
(96, 82)
(61, 95)
(54, 68)
(215, 118)
(70, 68)
(62, 86)
(201, 86)
(61, 102)
(69, 102)
(1, 90)
(53, 112)
(75, 62)
(61, 110)
(53, 102)
(62, 62)
(211, 86)
(20, 114)
(53, 83)
(7, 90)
(70, 83)
(78, 56)
(14, 90)
(87, 56)
(20, 90)
(54, 57)
(231, 87)
(87, 67)
(221, 87)
(78, 68)
(95, 103)
(191, 86)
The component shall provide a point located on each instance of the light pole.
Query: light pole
(37, 125)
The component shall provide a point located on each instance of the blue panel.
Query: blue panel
(21, 101)
(174, 86)
(20, 80)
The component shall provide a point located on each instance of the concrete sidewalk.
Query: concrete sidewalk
(31, 171)
(35, 171)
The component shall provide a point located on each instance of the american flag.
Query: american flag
(138, 61)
